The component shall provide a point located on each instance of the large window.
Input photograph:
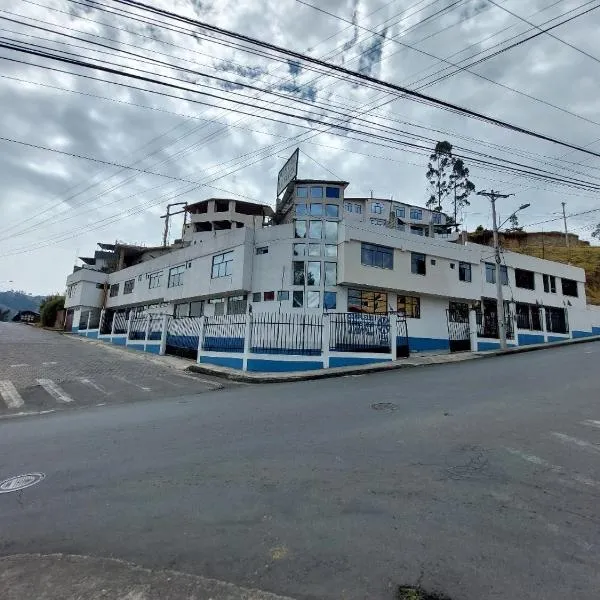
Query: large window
(316, 210)
(400, 212)
(329, 300)
(331, 231)
(464, 271)
(301, 192)
(315, 230)
(556, 320)
(367, 301)
(409, 307)
(525, 279)
(176, 276)
(316, 192)
(222, 265)
(155, 280)
(332, 210)
(490, 273)
(313, 273)
(436, 218)
(332, 192)
(300, 229)
(330, 273)
(196, 308)
(237, 305)
(528, 316)
(376, 208)
(569, 287)
(418, 264)
(416, 214)
(373, 255)
(128, 286)
(549, 284)
(114, 290)
(298, 272)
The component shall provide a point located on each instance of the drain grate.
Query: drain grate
(384, 406)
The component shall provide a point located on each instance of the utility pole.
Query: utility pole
(169, 215)
(565, 222)
(493, 196)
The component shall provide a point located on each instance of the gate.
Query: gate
(459, 332)
(402, 347)
(183, 336)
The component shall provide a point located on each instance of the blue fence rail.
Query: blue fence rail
(277, 333)
(224, 333)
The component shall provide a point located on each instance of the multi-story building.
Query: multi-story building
(321, 251)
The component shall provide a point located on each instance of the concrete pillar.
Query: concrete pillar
(148, 321)
(201, 336)
(88, 323)
(101, 322)
(325, 337)
(247, 341)
(112, 326)
(473, 329)
(543, 318)
(128, 328)
(163, 334)
(394, 335)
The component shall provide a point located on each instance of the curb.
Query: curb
(244, 377)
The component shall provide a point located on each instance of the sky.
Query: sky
(85, 157)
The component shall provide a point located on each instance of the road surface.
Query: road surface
(479, 479)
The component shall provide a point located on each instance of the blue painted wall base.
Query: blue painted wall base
(351, 361)
(423, 344)
(223, 361)
(556, 338)
(581, 334)
(281, 366)
(526, 339)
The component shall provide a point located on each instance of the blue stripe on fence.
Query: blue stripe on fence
(529, 338)
(183, 341)
(223, 344)
(279, 366)
(581, 334)
(351, 361)
(420, 344)
(286, 351)
(223, 361)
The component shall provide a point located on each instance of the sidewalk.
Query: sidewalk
(403, 363)
(68, 577)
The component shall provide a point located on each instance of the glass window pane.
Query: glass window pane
(302, 192)
(298, 299)
(300, 229)
(298, 272)
(299, 249)
(348, 206)
(314, 249)
(283, 295)
(301, 209)
(316, 210)
(315, 231)
(313, 273)
(316, 192)
(256, 297)
(330, 273)
(358, 209)
(332, 192)
(332, 210)
(331, 250)
(313, 299)
(330, 300)
(331, 231)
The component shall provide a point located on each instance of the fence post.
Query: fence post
(101, 322)
(163, 334)
(247, 341)
(544, 327)
(128, 329)
(201, 336)
(148, 321)
(88, 323)
(325, 338)
(112, 325)
(473, 329)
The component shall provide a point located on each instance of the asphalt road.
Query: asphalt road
(43, 371)
(482, 480)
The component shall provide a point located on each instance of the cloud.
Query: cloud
(370, 57)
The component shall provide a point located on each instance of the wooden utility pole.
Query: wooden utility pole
(169, 215)
(565, 222)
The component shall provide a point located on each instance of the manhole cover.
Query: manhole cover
(20, 482)
(384, 406)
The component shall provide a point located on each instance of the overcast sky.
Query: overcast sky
(55, 207)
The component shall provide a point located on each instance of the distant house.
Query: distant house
(26, 316)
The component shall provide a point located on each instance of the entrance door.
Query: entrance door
(459, 333)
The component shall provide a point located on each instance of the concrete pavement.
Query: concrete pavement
(479, 479)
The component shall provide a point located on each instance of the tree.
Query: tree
(596, 232)
(438, 174)
(462, 186)
(514, 223)
(48, 309)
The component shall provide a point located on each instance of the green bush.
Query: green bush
(48, 309)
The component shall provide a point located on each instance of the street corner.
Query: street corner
(72, 577)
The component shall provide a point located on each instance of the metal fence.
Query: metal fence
(183, 336)
(360, 332)
(137, 327)
(556, 320)
(487, 325)
(94, 322)
(107, 321)
(277, 333)
(83, 319)
(120, 322)
(224, 333)
(156, 325)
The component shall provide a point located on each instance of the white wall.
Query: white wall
(82, 288)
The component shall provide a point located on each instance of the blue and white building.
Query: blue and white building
(319, 254)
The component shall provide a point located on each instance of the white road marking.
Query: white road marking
(47, 364)
(536, 460)
(10, 395)
(26, 414)
(94, 385)
(19, 365)
(591, 423)
(56, 392)
(576, 441)
(141, 387)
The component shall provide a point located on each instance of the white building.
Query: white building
(321, 251)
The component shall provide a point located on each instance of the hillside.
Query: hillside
(20, 300)
(586, 257)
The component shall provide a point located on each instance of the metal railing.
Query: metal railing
(360, 332)
(120, 322)
(556, 320)
(83, 319)
(224, 333)
(107, 321)
(183, 336)
(156, 325)
(487, 325)
(277, 333)
(137, 327)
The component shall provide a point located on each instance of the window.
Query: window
(330, 273)
(256, 297)
(452, 265)
(348, 206)
(297, 299)
(330, 250)
(176, 276)
(418, 265)
(528, 316)
(313, 299)
(549, 284)
(154, 280)
(416, 213)
(556, 320)
(464, 271)
(219, 308)
(301, 210)
(269, 296)
(300, 229)
(114, 290)
(313, 273)
(314, 249)
(315, 230)
(196, 308)
(401, 212)
(316, 210)
(262, 250)
(237, 305)
(283, 295)
(436, 218)
(182, 310)
(409, 307)
(298, 272)
(373, 255)
(299, 249)
(221, 205)
(128, 286)
(490, 273)
(376, 208)
(358, 209)
(331, 231)
(433, 262)
(366, 301)
(416, 230)
(332, 192)
(222, 265)
(524, 279)
(332, 210)
(301, 192)
(329, 300)
(569, 288)
(316, 192)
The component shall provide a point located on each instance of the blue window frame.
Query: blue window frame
(416, 213)
(376, 208)
(301, 192)
(348, 206)
(301, 209)
(332, 192)
(373, 255)
(358, 209)
(436, 218)
(400, 212)
(316, 192)
(329, 300)
(316, 210)
(222, 265)
(332, 210)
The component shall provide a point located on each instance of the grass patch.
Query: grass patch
(417, 593)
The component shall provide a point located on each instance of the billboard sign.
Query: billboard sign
(288, 172)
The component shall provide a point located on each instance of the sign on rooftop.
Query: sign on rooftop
(288, 172)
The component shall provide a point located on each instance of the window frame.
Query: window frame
(155, 280)
(332, 192)
(378, 298)
(227, 260)
(564, 280)
(376, 208)
(327, 305)
(403, 302)
(463, 269)
(416, 211)
(296, 280)
(113, 291)
(378, 255)
(519, 281)
(260, 250)
(175, 276)
(328, 282)
(417, 258)
(129, 286)
(312, 264)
